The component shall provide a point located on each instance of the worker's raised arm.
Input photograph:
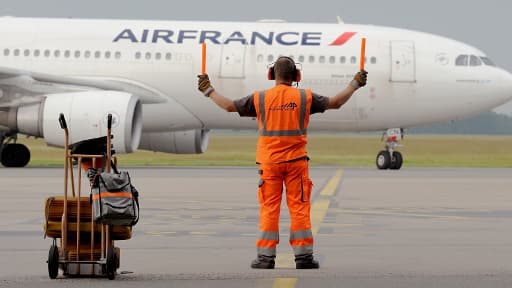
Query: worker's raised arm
(342, 97)
(204, 85)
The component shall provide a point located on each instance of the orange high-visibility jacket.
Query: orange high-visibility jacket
(283, 118)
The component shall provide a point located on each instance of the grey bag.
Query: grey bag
(114, 199)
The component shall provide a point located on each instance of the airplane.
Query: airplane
(144, 74)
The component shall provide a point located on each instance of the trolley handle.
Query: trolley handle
(62, 121)
(109, 121)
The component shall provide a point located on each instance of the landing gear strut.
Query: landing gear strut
(13, 154)
(389, 158)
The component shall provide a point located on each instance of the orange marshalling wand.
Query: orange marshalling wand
(203, 63)
(363, 52)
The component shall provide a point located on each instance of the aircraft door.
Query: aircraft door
(232, 64)
(403, 64)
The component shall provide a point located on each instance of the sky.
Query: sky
(483, 24)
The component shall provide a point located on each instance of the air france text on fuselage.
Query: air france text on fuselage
(285, 38)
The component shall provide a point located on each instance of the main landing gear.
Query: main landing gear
(389, 158)
(13, 154)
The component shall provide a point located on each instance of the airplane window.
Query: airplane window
(56, 53)
(311, 59)
(259, 58)
(108, 54)
(87, 54)
(168, 56)
(332, 59)
(474, 61)
(353, 60)
(37, 53)
(270, 58)
(16, 52)
(138, 55)
(97, 54)
(301, 58)
(365, 59)
(47, 53)
(148, 55)
(26, 52)
(343, 59)
(461, 60)
(118, 55)
(6, 52)
(158, 56)
(77, 54)
(321, 59)
(373, 60)
(67, 53)
(487, 61)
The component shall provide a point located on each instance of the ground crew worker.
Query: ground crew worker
(283, 115)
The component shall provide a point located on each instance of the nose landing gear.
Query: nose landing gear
(389, 158)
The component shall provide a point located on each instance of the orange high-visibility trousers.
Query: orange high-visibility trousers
(295, 176)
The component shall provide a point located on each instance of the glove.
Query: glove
(204, 85)
(359, 79)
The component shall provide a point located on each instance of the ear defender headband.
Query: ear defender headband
(296, 75)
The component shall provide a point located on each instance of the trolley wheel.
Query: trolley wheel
(53, 262)
(111, 263)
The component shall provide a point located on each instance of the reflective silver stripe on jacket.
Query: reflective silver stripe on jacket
(301, 234)
(301, 131)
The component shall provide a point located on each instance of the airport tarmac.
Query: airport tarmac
(418, 227)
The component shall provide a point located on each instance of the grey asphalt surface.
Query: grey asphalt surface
(418, 227)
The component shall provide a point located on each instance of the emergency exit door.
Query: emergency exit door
(403, 63)
(232, 63)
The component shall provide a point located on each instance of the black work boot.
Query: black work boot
(263, 262)
(306, 261)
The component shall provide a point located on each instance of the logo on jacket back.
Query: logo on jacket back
(285, 107)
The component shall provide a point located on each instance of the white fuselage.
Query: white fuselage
(413, 77)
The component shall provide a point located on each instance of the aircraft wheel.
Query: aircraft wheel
(15, 155)
(396, 164)
(383, 160)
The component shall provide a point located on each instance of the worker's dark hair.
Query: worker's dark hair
(285, 69)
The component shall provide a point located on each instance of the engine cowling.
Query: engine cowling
(86, 115)
(177, 142)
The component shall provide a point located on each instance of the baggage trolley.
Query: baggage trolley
(86, 247)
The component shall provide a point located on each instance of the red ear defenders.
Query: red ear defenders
(271, 75)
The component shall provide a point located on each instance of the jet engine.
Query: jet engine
(86, 114)
(177, 142)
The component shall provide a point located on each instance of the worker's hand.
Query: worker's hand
(359, 79)
(204, 85)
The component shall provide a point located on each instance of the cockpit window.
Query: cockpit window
(462, 60)
(474, 61)
(487, 61)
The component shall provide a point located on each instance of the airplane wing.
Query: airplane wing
(20, 87)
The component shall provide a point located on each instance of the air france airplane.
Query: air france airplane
(144, 73)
